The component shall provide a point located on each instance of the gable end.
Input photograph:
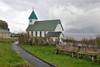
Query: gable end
(59, 26)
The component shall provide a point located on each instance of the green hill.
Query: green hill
(3, 25)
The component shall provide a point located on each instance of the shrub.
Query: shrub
(41, 41)
(98, 40)
(62, 40)
(30, 41)
(57, 40)
(69, 41)
(48, 40)
(98, 58)
(85, 42)
(23, 38)
(74, 42)
(91, 42)
(26, 39)
(36, 41)
(51, 41)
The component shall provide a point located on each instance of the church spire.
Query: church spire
(33, 15)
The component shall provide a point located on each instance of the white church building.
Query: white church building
(37, 28)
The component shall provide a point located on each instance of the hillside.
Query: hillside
(3, 25)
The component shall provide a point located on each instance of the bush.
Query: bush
(48, 40)
(98, 40)
(36, 41)
(85, 42)
(23, 38)
(41, 41)
(98, 58)
(91, 42)
(26, 39)
(74, 42)
(30, 41)
(57, 40)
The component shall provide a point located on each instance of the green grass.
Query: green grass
(62, 59)
(9, 58)
(8, 39)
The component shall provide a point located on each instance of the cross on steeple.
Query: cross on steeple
(33, 9)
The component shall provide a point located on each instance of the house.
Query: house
(4, 33)
(37, 28)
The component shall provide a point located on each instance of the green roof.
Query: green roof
(47, 25)
(4, 31)
(33, 15)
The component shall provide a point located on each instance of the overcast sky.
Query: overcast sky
(77, 16)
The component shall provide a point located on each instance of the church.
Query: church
(37, 28)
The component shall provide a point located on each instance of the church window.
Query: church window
(31, 21)
(40, 34)
(44, 33)
(36, 33)
(32, 33)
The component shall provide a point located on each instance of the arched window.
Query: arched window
(40, 34)
(36, 33)
(30, 21)
(32, 33)
(44, 33)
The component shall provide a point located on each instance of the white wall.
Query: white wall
(33, 20)
(34, 33)
(61, 36)
(46, 32)
(30, 33)
(54, 38)
(59, 28)
(38, 33)
(42, 32)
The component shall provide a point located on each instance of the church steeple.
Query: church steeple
(32, 17)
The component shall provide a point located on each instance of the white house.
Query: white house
(37, 28)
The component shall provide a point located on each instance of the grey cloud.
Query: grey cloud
(83, 30)
(75, 15)
(28, 4)
(20, 4)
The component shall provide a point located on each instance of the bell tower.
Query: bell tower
(32, 17)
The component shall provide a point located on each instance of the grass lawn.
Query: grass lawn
(9, 58)
(8, 39)
(62, 59)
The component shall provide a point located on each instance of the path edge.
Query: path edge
(52, 65)
(20, 55)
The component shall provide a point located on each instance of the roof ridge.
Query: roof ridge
(49, 20)
(47, 25)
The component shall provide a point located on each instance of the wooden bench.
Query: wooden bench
(91, 52)
(69, 49)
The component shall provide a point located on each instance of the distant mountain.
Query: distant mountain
(3, 25)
